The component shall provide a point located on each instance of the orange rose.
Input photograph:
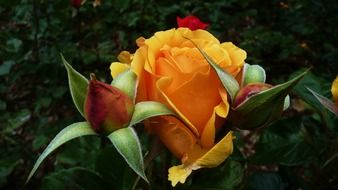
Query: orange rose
(172, 71)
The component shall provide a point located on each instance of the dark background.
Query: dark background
(297, 152)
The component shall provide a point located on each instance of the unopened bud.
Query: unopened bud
(248, 91)
(106, 107)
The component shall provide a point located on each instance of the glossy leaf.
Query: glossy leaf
(77, 85)
(328, 104)
(261, 109)
(72, 131)
(128, 145)
(284, 143)
(316, 84)
(147, 109)
(228, 81)
(126, 82)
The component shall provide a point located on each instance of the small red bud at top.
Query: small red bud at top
(191, 22)
(76, 3)
(248, 91)
(106, 107)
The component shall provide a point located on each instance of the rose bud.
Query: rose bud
(248, 91)
(106, 107)
(76, 3)
(191, 22)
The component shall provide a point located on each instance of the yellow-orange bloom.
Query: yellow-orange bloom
(172, 71)
(334, 90)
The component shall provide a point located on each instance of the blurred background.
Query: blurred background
(298, 152)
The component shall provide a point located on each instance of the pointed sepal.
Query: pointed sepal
(127, 83)
(252, 74)
(78, 86)
(147, 109)
(328, 104)
(228, 81)
(71, 132)
(128, 145)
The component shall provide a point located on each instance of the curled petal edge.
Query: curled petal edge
(214, 157)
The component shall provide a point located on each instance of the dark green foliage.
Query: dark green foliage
(35, 103)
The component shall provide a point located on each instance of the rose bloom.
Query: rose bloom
(172, 71)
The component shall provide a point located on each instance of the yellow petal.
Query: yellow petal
(208, 134)
(217, 154)
(212, 158)
(117, 68)
(237, 55)
(140, 41)
(334, 90)
(125, 57)
(178, 174)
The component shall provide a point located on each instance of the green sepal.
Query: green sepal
(70, 132)
(127, 83)
(252, 74)
(147, 109)
(228, 81)
(78, 86)
(263, 108)
(128, 145)
(328, 104)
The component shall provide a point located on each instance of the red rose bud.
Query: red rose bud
(106, 107)
(248, 91)
(76, 3)
(191, 22)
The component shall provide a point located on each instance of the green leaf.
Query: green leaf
(284, 143)
(72, 131)
(328, 104)
(128, 145)
(263, 108)
(253, 74)
(112, 167)
(147, 109)
(18, 119)
(5, 68)
(316, 84)
(126, 82)
(228, 81)
(77, 84)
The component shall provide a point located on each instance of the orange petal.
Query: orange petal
(177, 138)
(162, 84)
(196, 98)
